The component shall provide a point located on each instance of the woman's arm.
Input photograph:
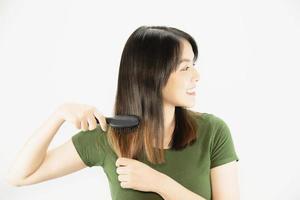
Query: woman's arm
(34, 164)
(225, 182)
(32, 155)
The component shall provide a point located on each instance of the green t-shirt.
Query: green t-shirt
(190, 167)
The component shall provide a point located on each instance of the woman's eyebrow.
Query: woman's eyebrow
(184, 60)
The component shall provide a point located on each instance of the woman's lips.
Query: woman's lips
(191, 91)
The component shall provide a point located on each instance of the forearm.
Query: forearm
(31, 156)
(169, 189)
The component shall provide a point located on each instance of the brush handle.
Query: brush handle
(107, 119)
(98, 120)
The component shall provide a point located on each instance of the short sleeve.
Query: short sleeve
(222, 146)
(89, 146)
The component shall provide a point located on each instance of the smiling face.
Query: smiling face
(177, 91)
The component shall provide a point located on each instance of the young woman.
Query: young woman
(175, 153)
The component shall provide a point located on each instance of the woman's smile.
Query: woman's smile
(191, 91)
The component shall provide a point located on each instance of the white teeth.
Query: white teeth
(191, 90)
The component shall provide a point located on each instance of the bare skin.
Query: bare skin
(35, 163)
(185, 77)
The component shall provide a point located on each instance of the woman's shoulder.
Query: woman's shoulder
(209, 119)
(94, 137)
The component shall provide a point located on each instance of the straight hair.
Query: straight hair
(150, 55)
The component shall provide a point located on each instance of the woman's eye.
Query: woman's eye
(186, 68)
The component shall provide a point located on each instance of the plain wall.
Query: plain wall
(58, 51)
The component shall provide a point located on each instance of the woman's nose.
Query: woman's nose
(196, 75)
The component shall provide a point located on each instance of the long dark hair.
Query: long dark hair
(150, 55)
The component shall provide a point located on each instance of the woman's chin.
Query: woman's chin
(188, 105)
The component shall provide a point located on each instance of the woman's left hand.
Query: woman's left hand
(137, 175)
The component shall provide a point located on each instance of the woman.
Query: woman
(175, 153)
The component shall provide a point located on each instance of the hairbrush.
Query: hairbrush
(123, 123)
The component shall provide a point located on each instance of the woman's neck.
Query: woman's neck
(169, 123)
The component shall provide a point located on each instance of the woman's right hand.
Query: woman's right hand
(82, 116)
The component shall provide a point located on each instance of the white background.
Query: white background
(57, 51)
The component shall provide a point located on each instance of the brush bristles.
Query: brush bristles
(124, 130)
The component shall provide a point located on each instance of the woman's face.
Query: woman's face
(178, 91)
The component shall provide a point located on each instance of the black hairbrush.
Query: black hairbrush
(123, 123)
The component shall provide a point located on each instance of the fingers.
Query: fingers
(84, 125)
(122, 170)
(101, 119)
(92, 122)
(123, 178)
(87, 121)
(77, 123)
